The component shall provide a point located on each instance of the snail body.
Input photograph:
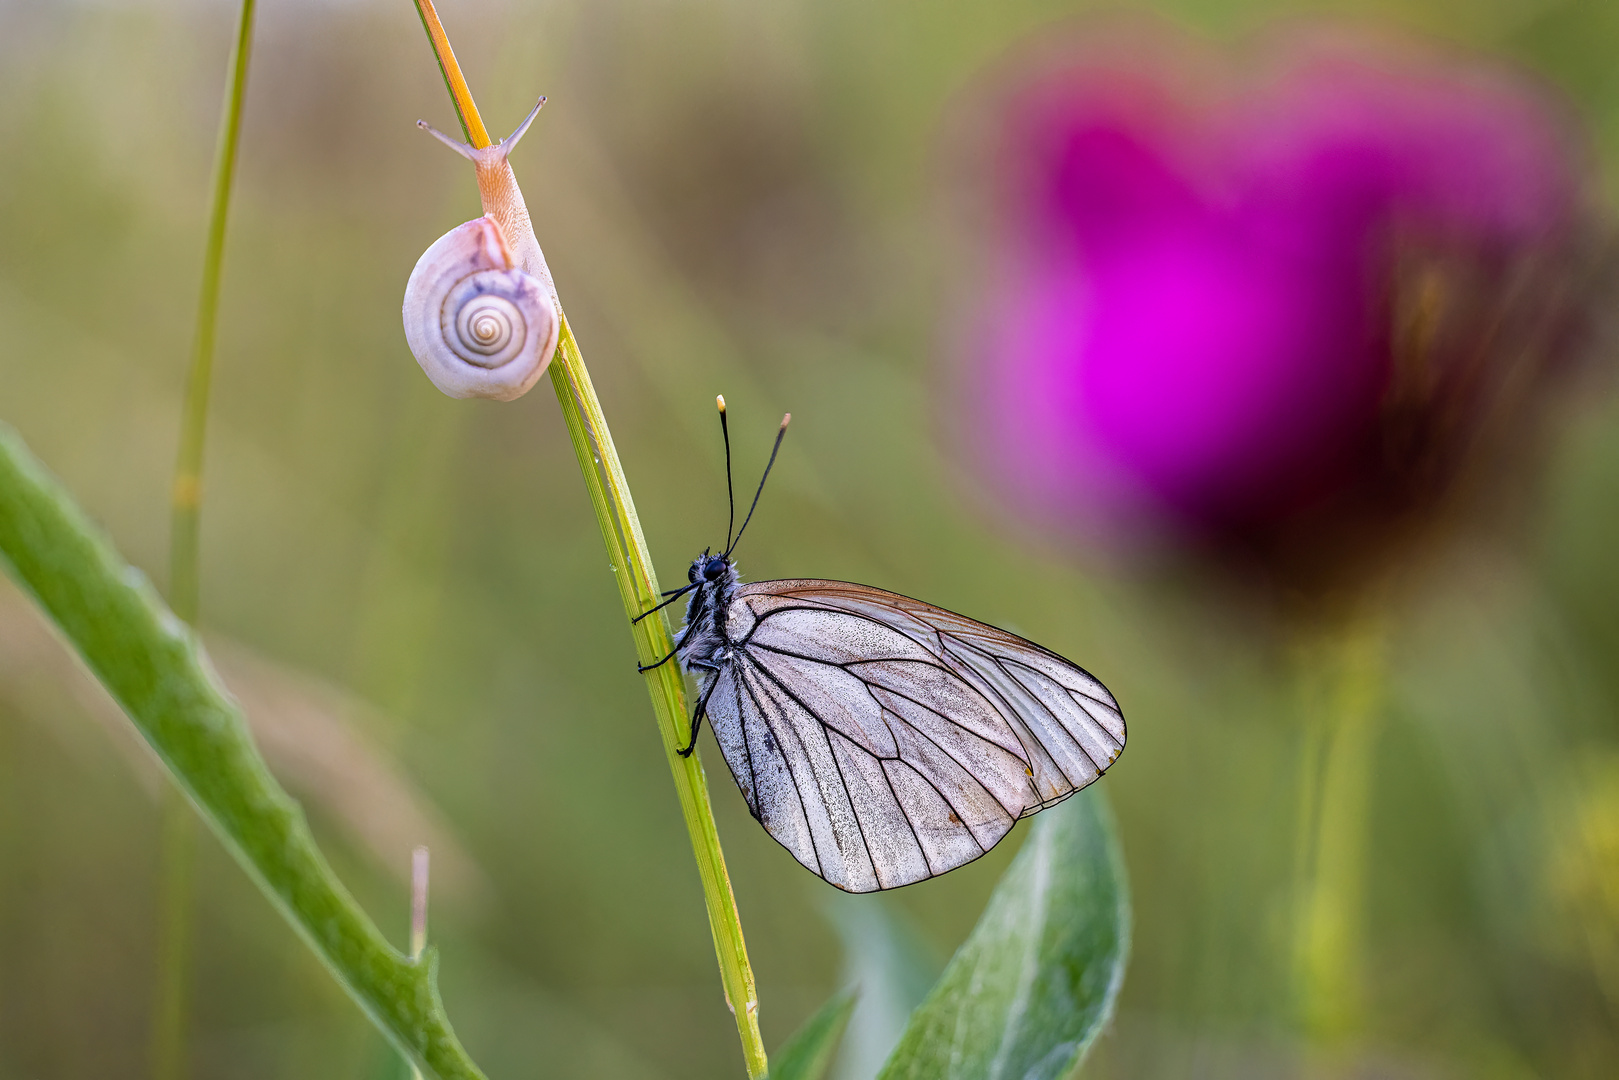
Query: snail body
(481, 313)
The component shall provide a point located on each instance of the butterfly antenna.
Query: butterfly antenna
(773, 450)
(730, 495)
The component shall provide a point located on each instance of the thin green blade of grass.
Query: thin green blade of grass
(808, 1052)
(609, 491)
(185, 508)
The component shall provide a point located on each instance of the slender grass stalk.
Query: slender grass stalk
(638, 589)
(418, 918)
(179, 830)
(186, 494)
(178, 853)
(1335, 793)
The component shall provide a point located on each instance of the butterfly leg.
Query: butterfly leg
(644, 668)
(698, 713)
(672, 594)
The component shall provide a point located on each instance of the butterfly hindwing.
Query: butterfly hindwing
(883, 741)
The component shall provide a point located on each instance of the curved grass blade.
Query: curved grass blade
(151, 664)
(1028, 992)
(806, 1055)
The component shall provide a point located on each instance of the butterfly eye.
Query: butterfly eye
(714, 568)
(691, 574)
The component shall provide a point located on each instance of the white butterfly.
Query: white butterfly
(880, 739)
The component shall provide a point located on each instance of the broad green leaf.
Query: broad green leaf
(152, 665)
(808, 1052)
(893, 968)
(1027, 993)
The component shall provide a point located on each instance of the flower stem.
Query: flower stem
(418, 919)
(638, 589)
(1334, 797)
(179, 839)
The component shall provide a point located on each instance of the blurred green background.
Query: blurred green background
(747, 198)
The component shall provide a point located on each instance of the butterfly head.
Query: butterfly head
(708, 568)
(714, 581)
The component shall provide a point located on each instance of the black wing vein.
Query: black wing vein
(824, 728)
(945, 669)
(803, 808)
(913, 738)
(1005, 666)
(916, 837)
(747, 751)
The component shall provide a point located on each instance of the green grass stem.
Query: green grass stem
(638, 589)
(185, 497)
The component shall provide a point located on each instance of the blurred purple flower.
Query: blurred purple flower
(1259, 313)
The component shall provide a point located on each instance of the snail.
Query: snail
(481, 312)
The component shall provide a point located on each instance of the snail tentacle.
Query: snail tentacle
(499, 149)
(449, 140)
(481, 312)
(509, 142)
(502, 198)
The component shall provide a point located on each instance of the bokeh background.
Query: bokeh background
(411, 595)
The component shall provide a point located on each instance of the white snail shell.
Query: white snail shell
(479, 326)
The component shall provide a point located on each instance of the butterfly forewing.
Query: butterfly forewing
(882, 740)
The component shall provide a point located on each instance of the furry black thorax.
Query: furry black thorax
(704, 635)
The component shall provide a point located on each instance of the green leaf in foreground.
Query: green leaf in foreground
(151, 664)
(1027, 993)
(808, 1052)
(891, 964)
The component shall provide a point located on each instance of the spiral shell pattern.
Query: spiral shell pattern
(478, 326)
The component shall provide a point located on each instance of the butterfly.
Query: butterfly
(879, 739)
